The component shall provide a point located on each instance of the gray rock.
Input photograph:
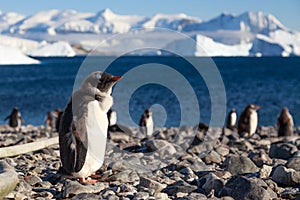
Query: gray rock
(212, 157)
(151, 184)
(265, 171)
(141, 196)
(162, 147)
(241, 187)
(260, 158)
(282, 150)
(294, 163)
(72, 188)
(196, 196)
(161, 196)
(212, 182)
(179, 186)
(240, 165)
(285, 176)
(8, 177)
(126, 176)
(195, 163)
(86, 196)
(222, 150)
(33, 180)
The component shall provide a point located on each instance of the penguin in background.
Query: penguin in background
(231, 119)
(146, 123)
(57, 116)
(248, 120)
(112, 121)
(285, 123)
(83, 127)
(15, 119)
(49, 121)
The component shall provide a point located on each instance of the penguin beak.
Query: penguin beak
(116, 78)
(257, 107)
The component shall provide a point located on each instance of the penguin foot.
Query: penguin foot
(87, 181)
(96, 176)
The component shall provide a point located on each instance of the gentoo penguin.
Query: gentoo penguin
(49, 121)
(15, 119)
(231, 119)
(83, 126)
(285, 123)
(248, 120)
(57, 116)
(146, 123)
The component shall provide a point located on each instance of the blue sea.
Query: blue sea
(271, 82)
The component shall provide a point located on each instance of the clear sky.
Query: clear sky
(288, 11)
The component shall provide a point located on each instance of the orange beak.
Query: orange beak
(116, 78)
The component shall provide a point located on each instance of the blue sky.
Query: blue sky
(288, 12)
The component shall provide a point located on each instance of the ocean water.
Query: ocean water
(271, 82)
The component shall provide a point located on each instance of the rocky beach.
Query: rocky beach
(175, 163)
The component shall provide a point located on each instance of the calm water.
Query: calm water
(270, 82)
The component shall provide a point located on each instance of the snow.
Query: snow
(250, 33)
(12, 56)
(204, 46)
(55, 49)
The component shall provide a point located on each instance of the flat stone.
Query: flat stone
(212, 157)
(72, 188)
(179, 186)
(141, 196)
(265, 171)
(151, 184)
(33, 179)
(161, 196)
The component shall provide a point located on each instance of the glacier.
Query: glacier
(56, 32)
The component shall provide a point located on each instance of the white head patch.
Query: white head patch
(98, 75)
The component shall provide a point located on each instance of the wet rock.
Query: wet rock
(179, 186)
(285, 176)
(240, 165)
(294, 163)
(241, 187)
(152, 184)
(282, 150)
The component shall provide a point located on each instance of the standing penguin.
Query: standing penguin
(248, 120)
(285, 123)
(57, 116)
(15, 119)
(83, 126)
(49, 121)
(231, 119)
(146, 123)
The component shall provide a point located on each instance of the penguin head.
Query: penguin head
(101, 81)
(253, 107)
(148, 113)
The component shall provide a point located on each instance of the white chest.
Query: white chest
(150, 126)
(96, 124)
(253, 121)
(233, 118)
(113, 118)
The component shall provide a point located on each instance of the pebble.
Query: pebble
(215, 165)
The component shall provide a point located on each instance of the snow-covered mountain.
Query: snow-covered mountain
(250, 33)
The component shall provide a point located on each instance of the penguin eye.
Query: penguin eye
(98, 76)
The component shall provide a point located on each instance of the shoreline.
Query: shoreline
(211, 165)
